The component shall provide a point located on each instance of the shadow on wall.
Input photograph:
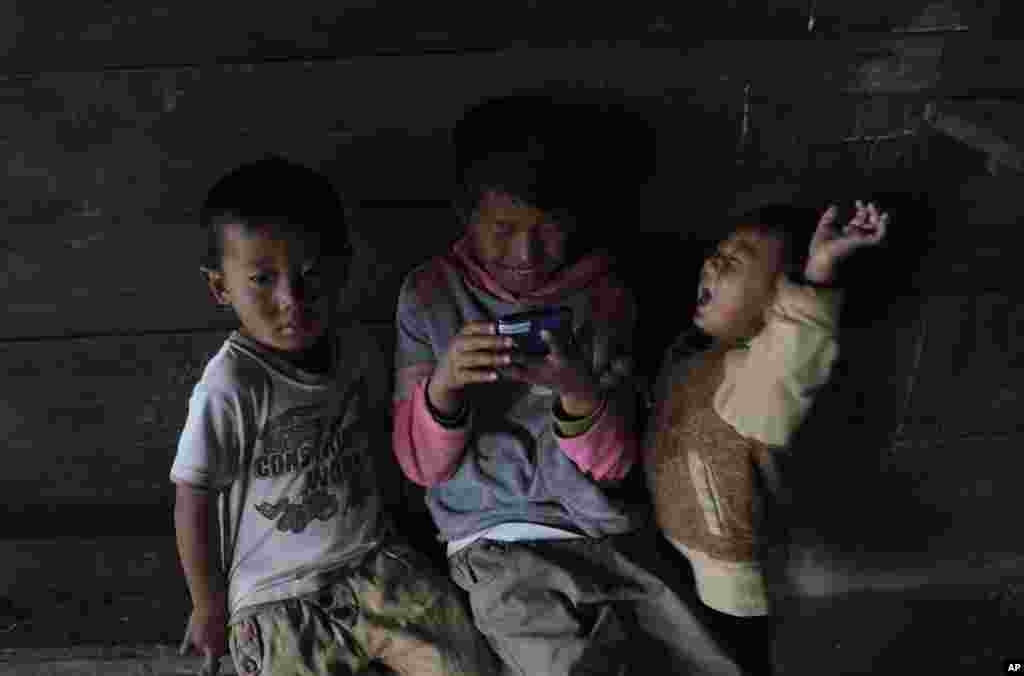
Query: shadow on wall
(851, 506)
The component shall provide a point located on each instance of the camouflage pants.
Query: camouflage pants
(395, 611)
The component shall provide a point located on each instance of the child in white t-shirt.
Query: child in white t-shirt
(283, 444)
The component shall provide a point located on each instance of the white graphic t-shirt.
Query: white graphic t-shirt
(294, 458)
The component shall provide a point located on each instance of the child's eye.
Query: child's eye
(262, 279)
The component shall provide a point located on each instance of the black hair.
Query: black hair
(273, 190)
(793, 225)
(581, 157)
(536, 179)
(529, 175)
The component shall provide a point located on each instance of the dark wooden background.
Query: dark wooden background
(114, 119)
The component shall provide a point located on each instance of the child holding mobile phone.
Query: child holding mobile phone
(523, 456)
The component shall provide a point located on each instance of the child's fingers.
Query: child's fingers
(860, 217)
(476, 343)
(871, 231)
(828, 217)
(478, 360)
(873, 213)
(880, 230)
(479, 328)
(470, 376)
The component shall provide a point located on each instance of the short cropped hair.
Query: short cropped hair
(530, 175)
(272, 191)
(792, 225)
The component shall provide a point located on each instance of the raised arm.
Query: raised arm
(769, 388)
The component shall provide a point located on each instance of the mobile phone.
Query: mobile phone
(525, 328)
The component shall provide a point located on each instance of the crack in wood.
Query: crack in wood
(912, 375)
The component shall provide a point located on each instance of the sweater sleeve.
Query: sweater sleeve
(605, 446)
(608, 449)
(427, 450)
(769, 387)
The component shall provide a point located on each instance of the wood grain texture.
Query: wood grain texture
(106, 170)
(115, 164)
(81, 590)
(117, 33)
(122, 279)
(96, 421)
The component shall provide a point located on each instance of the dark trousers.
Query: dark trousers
(750, 640)
(587, 606)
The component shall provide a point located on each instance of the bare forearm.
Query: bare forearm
(198, 546)
(822, 272)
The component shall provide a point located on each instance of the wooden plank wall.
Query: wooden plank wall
(116, 118)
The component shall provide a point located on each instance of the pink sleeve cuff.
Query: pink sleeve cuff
(606, 451)
(427, 452)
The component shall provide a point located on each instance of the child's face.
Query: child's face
(737, 284)
(278, 283)
(520, 246)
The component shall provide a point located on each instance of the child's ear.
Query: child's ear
(215, 282)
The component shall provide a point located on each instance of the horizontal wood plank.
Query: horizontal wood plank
(117, 34)
(96, 421)
(81, 590)
(106, 170)
(835, 17)
(148, 143)
(121, 278)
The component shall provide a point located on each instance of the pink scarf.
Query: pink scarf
(582, 274)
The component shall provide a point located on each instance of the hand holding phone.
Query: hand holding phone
(525, 328)
(556, 364)
(474, 356)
